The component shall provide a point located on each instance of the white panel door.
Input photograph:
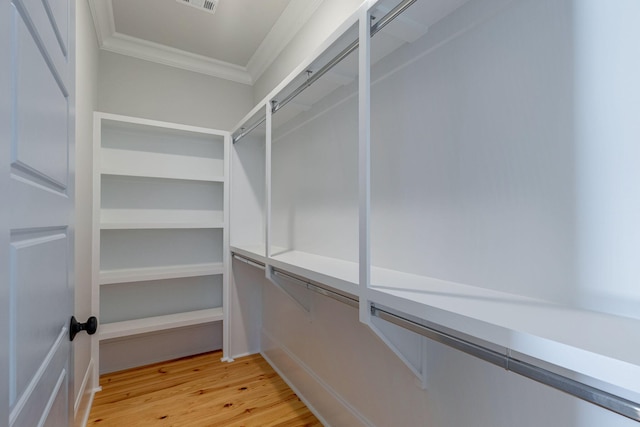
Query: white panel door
(36, 228)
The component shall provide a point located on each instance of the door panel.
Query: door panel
(32, 408)
(39, 287)
(59, 403)
(40, 146)
(37, 20)
(5, 161)
(36, 231)
(58, 11)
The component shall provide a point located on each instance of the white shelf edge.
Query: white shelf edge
(254, 252)
(110, 277)
(490, 316)
(158, 225)
(127, 328)
(342, 275)
(466, 314)
(158, 124)
(111, 172)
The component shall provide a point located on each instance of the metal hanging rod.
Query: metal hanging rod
(383, 22)
(249, 261)
(314, 76)
(577, 389)
(246, 131)
(606, 400)
(338, 296)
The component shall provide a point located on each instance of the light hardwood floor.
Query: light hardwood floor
(199, 391)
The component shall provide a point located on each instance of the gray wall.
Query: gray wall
(498, 110)
(139, 88)
(329, 15)
(146, 89)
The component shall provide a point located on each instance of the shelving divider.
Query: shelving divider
(364, 163)
(226, 256)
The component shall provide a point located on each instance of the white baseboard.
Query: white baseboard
(321, 399)
(84, 400)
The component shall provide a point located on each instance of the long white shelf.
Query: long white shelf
(339, 274)
(602, 346)
(160, 165)
(256, 252)
(599, 345)
(108, 277)
(126, 328)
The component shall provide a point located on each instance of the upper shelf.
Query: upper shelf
(147, 148)
(160, 165)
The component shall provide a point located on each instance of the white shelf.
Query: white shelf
(159, 165)
(141, 225)
(108, 277)
(583, 341)
(159, 323)
(339, 274)
(159, 218)
(255, 252)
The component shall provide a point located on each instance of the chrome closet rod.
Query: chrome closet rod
(575, 388)
(249, 261)
(383, 22)
(248, 130)
(606, 400)
(345, 299)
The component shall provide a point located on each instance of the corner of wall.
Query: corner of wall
(86, 103)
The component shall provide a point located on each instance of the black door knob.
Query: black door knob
(91, 326)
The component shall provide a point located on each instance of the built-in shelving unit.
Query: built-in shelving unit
(453, 201)
(160, 226)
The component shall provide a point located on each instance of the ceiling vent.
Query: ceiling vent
(205, 5)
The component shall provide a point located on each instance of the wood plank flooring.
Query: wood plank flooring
(199, 391)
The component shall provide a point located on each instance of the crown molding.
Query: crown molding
(293, 18)
(295, 15)
(103, 21)
(161, 54)
(110, 40)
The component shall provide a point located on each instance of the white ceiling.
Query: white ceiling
(237, 43)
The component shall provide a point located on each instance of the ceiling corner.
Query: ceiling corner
(161, 54)
(103, 21)
(293, 18)
(110, 40)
